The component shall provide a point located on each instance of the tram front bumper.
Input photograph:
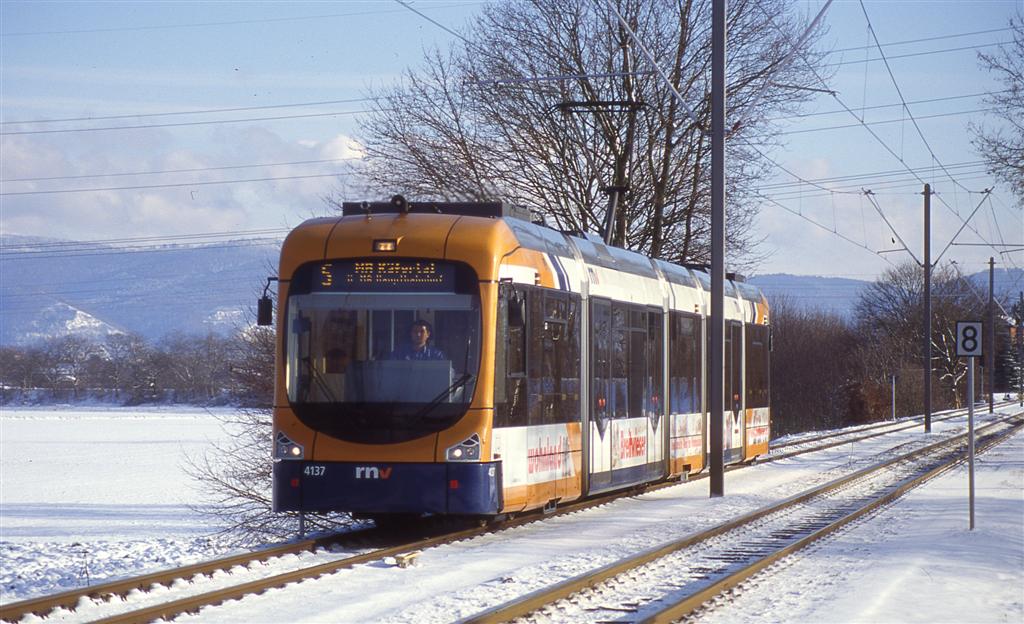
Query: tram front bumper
(438, 488)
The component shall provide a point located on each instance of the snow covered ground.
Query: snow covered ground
(112, 485)
(915, 561)
(92, 494)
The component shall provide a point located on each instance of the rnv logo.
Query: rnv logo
(372, 472)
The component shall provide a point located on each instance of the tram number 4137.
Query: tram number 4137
(314, 470)
(968, 339)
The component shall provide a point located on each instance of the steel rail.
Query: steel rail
(42, 605)
(688, 605)
(530, 603)
(192, 604)
(903, 427)
(910, 420)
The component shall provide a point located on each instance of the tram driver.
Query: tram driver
(418, 347)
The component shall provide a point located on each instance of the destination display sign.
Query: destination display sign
(386, 275)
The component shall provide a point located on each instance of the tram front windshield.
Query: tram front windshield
(382, 360)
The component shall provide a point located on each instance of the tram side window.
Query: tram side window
(654, 396)
(540, 365)
(560, 359)
(628, 345)
(600, 358)
(535, 357)
(733, 366)
(758, 369)
(638, 349)
(684, 363)
(620, 361)
(510, 383)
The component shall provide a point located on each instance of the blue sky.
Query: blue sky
(62, 60)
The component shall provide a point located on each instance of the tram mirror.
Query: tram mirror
(264, 311)
(516, 311)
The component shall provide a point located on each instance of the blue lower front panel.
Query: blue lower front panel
(453, 488)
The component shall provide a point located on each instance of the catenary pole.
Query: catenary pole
(717, 318)
(991, 363)
(927, 308)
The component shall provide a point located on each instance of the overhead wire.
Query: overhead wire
(823, 227)
(205, 111)
(181, 124)
(920, 133)
(924, 39)
(899, 92)
(913, 54)
(874, 175)
(883, 122)
(269, 20)
(894, 105)
(906, 248)
(839, 100)
(174, 185)
(169, 171)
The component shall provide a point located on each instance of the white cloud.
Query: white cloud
(343, 146)
(196, 208)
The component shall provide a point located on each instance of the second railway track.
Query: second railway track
(669, 582)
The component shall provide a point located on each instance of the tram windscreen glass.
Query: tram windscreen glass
(381, 351)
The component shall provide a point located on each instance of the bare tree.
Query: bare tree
(1003, 148)
(195, 367)
(548, 103)
(813, 369)
(251, 362)
(889, 315)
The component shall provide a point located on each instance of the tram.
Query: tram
(458, 359)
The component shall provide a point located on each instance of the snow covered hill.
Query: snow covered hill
(52, 288)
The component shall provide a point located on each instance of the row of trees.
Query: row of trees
(829, 371)
(128, 369)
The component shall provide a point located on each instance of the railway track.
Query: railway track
(887, 425)
(865, 432)
(673, 580)
(188, 588)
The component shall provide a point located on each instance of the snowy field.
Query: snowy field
(87, 495)
(90, 495)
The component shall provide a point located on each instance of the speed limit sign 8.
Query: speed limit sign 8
(968, 339)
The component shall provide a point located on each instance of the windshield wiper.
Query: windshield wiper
(439, 399)
(321, 383)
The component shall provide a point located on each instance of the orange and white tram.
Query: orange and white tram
(450, 358)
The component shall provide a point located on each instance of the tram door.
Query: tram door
(734, 416)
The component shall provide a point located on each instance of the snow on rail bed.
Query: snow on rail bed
(915, 561)
(112, 485)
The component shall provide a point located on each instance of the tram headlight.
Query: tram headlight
(286, 448)
(467, 450)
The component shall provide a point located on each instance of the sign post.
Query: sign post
(968, 344)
